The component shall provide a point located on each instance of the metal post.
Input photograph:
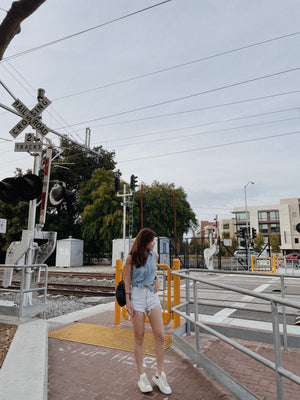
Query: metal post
(29, 257)
(276, 342)
(285, 345)
(196, 316)
(188, 300)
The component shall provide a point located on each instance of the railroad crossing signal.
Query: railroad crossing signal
(31, 117)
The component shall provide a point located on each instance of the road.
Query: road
(217, 303)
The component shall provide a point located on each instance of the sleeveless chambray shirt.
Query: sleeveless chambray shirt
(145, 275)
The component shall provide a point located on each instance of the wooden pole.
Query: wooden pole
(175, 223)
(142, 208)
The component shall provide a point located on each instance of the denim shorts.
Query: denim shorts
(144, 300)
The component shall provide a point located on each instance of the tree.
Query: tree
(102, 214)
(73, 166)
(158, 211)
(274, 243)
(259, 242)
(11, 24)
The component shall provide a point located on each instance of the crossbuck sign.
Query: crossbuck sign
(30, 117)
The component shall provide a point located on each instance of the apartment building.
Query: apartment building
(280, 219)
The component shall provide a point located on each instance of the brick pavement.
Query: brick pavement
(253, 375)
(84, 372)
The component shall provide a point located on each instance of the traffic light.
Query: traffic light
(117, 183)
(254, 233)
(26, 188)
(243, 232)
(60, 193)
(298, 228)
(133, 182)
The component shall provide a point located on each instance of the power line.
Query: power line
(208, 132)
(210, 147)
(188, 96)
(198, 125)
(193, 110)
(176, 66)
(82, 32)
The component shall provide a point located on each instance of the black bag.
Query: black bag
(120, 293)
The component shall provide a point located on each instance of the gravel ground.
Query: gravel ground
(59, 305)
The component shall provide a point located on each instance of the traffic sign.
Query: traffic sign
(28, 146)
(3, 225)
(31, 117)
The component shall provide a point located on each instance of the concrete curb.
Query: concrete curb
(24, 373)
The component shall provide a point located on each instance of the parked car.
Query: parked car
(292, 256)
(242, 253)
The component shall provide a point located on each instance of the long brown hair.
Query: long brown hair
(138, 250)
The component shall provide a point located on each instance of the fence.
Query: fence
(18, 308)
(193, 321)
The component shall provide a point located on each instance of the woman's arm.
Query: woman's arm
(128, 268)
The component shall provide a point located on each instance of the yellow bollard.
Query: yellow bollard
(118, 278)
(176, 267)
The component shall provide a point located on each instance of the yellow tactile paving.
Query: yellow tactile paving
(97, 335)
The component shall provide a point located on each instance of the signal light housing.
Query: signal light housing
(60, 193)
(26, 188)
(133, 182)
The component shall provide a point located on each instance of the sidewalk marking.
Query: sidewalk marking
(103, 336)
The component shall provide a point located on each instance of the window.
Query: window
(296, 240)
(294, 214)
(263, 228)
(240, 217)
(275, 228)
(274, 215)
(225, 226)
(262, 216)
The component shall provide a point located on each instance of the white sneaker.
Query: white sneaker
(161, 382)
(144, 384)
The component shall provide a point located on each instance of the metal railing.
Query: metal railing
(193, 320)
(19, 309)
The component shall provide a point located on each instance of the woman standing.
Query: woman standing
(141, 290)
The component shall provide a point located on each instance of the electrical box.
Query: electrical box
(118, 249)
(69, 253)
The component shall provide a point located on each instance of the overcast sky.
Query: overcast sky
(202, 125)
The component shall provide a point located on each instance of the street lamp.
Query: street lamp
(247, 227)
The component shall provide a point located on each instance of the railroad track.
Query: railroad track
(70, 289)
(73, 274)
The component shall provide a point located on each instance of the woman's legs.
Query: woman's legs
(157, 325)
(138, 322)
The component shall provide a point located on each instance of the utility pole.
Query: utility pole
(247, 224)
(124, 204)
(142, 207)
(175, 223)
(219, 244)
